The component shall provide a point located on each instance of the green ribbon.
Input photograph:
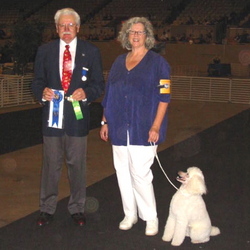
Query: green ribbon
(77, 109)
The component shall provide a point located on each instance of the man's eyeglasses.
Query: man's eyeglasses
(139, 33)
(68, 25)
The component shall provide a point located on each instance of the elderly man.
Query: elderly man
(68, 76)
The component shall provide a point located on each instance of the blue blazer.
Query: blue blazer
(47, 75)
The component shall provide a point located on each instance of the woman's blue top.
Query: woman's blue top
(131, 99)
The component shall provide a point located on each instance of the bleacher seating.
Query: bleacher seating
(159, 10)
(203, 11)
(101, 18)
(154, 10)
(13, 10)
(84, 8)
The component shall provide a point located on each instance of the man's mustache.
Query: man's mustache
(66, 33)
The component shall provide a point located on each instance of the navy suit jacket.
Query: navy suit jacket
(47, 75)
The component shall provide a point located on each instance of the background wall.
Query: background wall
(199, 55)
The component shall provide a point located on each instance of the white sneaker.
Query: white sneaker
(152, 227)
(128, 222)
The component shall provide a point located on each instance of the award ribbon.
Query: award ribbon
(55, 113)
(77, 109)
(84, 73)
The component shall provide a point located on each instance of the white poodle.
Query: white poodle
(188, 215)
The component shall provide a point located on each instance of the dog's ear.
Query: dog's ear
(196, 185)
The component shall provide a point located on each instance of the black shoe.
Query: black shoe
(79, 219)
(44, 219)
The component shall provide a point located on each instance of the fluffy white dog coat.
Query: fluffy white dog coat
(188, 215)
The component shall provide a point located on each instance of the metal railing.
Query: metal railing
(16, 91)
(211, 89)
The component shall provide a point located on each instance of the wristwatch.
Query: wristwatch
(103, 123)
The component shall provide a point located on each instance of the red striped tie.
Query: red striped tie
(67, 69)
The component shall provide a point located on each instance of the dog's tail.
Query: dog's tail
(214, 231)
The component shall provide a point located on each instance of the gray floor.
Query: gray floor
(20, 170)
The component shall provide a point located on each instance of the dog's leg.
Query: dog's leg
(179, 233)
(169, 229)
(199, 234)
(188, 232)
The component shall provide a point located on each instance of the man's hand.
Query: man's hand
(48, 94)
(79, 95)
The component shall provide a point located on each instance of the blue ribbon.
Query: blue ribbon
(56, 101)
(84, 73)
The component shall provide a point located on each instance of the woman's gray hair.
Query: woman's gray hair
(126, 26)
(67, 11)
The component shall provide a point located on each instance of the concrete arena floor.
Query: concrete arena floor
(20, 170)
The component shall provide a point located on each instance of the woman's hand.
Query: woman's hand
(153, 135)
(104, 132)
(154, 132)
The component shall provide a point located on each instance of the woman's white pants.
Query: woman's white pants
(133, 170)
